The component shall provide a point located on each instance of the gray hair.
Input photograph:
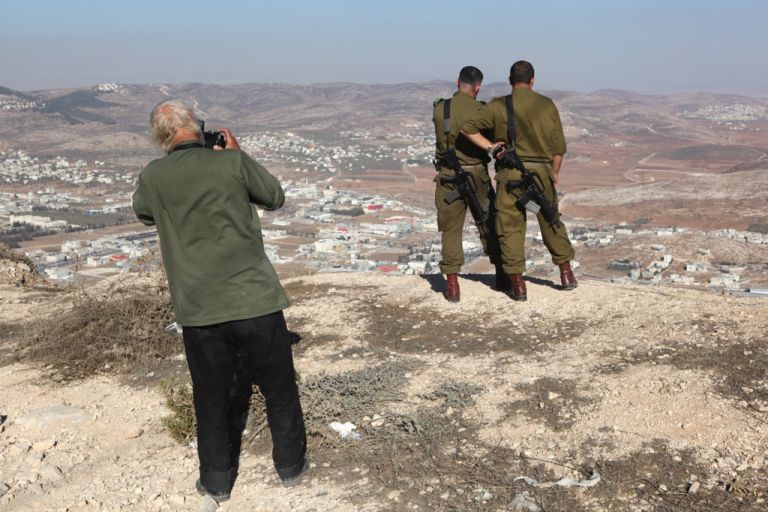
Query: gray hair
(169, 117)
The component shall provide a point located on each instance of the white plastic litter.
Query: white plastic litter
(173, 328)
(566, 481)
(524, 503)
(346, 430)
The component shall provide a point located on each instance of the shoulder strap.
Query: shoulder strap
(511, 131)
(447, 122)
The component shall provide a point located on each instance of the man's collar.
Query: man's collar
(186, 144)
(465, 94)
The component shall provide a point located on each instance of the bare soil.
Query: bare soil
(659, 391)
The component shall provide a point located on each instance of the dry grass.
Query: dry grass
(119, 331)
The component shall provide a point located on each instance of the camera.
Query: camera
(211, 138)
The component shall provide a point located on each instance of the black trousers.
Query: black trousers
(224, 361)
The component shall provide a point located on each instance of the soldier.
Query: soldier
(537, 135)
(449, 116)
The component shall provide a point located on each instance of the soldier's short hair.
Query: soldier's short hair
(167, 118)
(521, 72)
(470, 75)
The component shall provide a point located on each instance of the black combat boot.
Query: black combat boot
(503, 284)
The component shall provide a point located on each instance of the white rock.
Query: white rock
(133, 433)
(208, 504)
(52, 417)
(50, 472)
(44, 445)
(694, 487)
(177, 500)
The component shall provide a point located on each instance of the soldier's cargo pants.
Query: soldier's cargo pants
(450, 217)
(510, 221)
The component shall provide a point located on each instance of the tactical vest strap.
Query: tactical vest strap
(447, 121)
(511, 130)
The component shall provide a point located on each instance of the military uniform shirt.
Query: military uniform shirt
(202, 204)
(537, 123)
(463, 107)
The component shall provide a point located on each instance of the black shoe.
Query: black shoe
(218, 498)
(290, 481)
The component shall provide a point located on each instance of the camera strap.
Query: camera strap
(187, 145)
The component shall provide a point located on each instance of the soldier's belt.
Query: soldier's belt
(527, 163)
(443, 163)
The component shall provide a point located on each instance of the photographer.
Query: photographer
(225, 293)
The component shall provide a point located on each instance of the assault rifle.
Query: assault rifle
(484, 220)
(532, 197)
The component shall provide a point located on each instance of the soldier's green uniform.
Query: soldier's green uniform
(539, 138)
(450, 217)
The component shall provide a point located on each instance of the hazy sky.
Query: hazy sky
(649, 45)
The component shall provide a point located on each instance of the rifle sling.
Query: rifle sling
(447, 122)
(511, 130)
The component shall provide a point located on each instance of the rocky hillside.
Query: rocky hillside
(610, 397)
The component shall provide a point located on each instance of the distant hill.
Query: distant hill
(78, 121)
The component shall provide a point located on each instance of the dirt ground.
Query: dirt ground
(647, 398)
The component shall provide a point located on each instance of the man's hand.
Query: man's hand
(495, 149)
(229, 139)
(557, 162)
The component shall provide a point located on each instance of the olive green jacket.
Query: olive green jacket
(537, 123)
(202, 202)
(463, 107)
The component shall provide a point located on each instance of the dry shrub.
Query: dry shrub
(348, 396)
(181, 423)
(120, 330)
(6, 253)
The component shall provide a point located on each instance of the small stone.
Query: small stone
(50, 472)
(177, 500)
(742, 467)
(38, 489)
(133, 433)
(553, 396)
(694, 487)
(3, 489)
(663, 488)
(394, 496)
(44, 446)
(208, 504)
(377, 423)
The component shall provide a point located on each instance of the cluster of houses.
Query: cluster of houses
(729, 113)
(17, 167)
(307, 155)
(16, 104)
